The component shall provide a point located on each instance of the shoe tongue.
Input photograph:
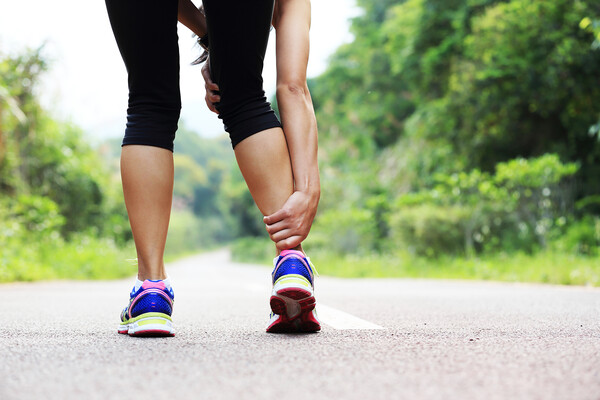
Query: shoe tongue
(290, 252)
(153, 284)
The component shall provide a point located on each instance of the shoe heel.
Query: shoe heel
(151, 324)
(292, 302)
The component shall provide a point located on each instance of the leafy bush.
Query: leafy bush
(343, 231)
(580, 237)
(38, 215)
(188, 233)
(540, 192)
(252, 249)
(464, 213)
(429, 230)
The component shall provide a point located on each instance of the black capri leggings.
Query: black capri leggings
(146, 34)
(238, 32)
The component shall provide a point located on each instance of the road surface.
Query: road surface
(381, 339)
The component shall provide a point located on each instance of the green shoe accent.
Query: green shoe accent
(147, 315)
(293, 278)
(152, 321)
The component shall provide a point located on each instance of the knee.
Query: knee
(152, 125)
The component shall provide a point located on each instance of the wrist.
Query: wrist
(313, 192)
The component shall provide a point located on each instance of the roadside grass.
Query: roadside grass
(81, 258)
(544, 267)
(92, 258)
(87, 257)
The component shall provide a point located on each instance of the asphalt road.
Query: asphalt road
(381, 339)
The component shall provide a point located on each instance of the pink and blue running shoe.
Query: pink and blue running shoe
(149, 311)
(293, 299)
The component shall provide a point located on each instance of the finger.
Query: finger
(206, 73)
(209, 84)
(210, 105)
(212, 96)
(282, 235)
(211, 87)
(276, 217)
(289, 243)
(276, 227)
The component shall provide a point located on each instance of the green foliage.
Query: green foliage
(551, 266)
(592, 26)
(546, 267)
(515, 209)
(484, 82)
(343, 231)
(189, 233)
(33, 248)
(458, 138)
(237, 207)
(61, 213)
(82, 257)
(208, 157)
(252, 249)
(189, 177)
(430, 230)
(525, 83)
(474, 121)
(43, 158)
(38, 215)
(580, 237)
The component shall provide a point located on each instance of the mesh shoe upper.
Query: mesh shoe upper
(153, 296)
(292, 262)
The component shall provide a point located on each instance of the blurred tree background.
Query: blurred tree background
(458, 138)
(464, 131)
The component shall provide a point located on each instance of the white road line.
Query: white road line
(340, 320)
(328, 315)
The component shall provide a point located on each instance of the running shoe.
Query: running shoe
(293, 298)
(149, 311)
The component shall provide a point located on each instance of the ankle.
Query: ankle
(154, 271)
(297, 248)
(153, 276)
(139, 283)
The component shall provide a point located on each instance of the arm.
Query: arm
(189, 15)
(292, 25)
(289, 226)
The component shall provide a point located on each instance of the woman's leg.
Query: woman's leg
(147, 175)
(264, 161)
(146, 33)
(238, 33)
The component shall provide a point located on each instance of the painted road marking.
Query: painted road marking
(341, 320)
(328, 315)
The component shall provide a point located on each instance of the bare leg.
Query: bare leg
(147, 175)
(265, 163)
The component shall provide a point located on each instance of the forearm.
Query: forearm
(189, 15)
(292, 24)
(300, 129)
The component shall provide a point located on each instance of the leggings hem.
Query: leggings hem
(254, 130)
